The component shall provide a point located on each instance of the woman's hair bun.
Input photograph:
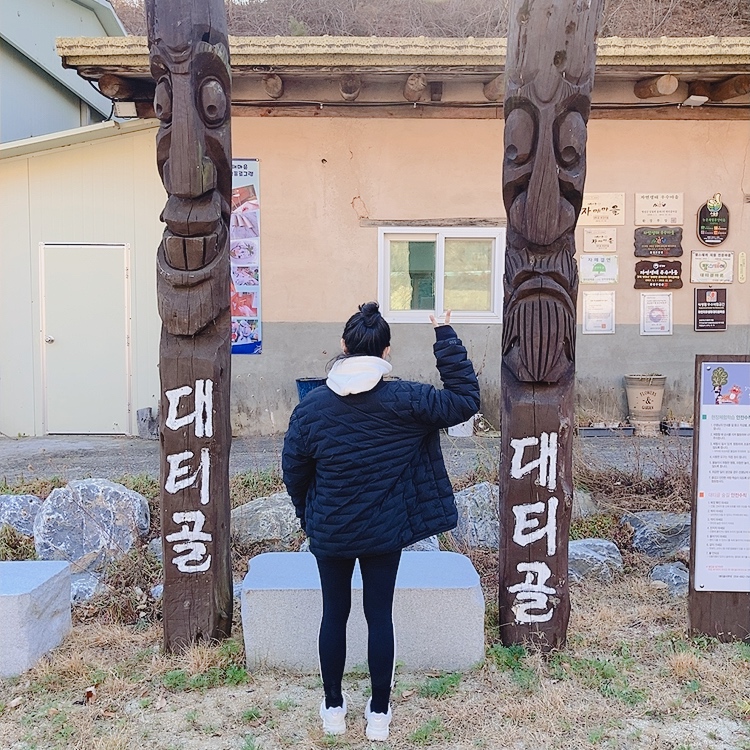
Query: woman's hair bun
(370, 313)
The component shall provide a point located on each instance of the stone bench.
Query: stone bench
(438, 613)
(35, 611)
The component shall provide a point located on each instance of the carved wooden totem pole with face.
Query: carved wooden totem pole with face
(548, 80)
(189, 56)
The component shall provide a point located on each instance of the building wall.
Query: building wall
(105, 191)
(54, 106)
(319, 178)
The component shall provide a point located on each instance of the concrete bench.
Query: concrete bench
(438, 612)
(34, 610)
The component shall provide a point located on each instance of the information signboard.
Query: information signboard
(722, 518)
(664, 242)
(658, 274)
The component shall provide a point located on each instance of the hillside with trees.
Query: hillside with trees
(456, 18)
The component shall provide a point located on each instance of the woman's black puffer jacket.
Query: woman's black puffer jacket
(365, 471)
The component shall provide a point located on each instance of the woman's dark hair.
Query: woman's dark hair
(367, 332)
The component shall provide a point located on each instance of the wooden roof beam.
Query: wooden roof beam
(731, 88)
(495, 89)
(126, 89)
(350, 85)
(274, 85)
(649, 88)
(415, 86)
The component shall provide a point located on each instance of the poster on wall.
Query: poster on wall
(244, 256)
(722, 518)
(710, 309)
(655, 209)
(598, 312)
(597, 269)
(602, 240)
(712, 267)
(661, 242)
(600, 209)
(656, 313)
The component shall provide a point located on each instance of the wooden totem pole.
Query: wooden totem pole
(548, 80)
(189, 55)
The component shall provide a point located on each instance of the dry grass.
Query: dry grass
(629, 678)
(14, 545)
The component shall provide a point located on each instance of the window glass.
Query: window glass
(412, 275)
(468, 274)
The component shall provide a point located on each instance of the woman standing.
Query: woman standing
(363, 465)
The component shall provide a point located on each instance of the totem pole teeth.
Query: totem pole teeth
(190, 253)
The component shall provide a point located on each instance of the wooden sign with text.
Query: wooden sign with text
(189, 57)
(658, 274)
(547, 103)
(664, 242)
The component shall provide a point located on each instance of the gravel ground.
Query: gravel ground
(78, 456)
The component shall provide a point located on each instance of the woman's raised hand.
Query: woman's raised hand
(436, 323)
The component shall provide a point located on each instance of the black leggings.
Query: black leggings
(378, 583)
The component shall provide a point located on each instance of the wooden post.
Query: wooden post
(548, 82)
(731, 88)
(189, 56)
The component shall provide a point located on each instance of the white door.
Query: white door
(85, 339)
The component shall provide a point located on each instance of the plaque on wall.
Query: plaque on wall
(664, 242)
(713, 221)
(712, 267)
(655, 209)
(597, 269)
(658, 274)
(600, 240)
(602, 209)
(710, 309)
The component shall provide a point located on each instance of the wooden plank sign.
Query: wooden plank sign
(547, 104)
(658, 274)
(719, 596)
(189, 57)
(664, 242)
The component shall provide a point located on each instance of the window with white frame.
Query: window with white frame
(428, 269)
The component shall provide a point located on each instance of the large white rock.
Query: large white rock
(478, 524)
(438, 612)
(269, 518)
(35, 612)
(19, 511)
(658, 533)
(597, 559)
(89, 523)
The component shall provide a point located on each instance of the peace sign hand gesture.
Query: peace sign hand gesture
(437, 324)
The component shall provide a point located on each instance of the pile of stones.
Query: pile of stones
(91, 522)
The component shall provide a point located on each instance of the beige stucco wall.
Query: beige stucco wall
(104, 191)
(318, 179)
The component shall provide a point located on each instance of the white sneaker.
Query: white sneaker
(334, 719)
(377, 724)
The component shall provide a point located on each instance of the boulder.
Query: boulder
(657, 533)
(89, 523)
(478, 524)
(266, 519)
(155, 548)
(675, 575)
(83, 586)
(596, 559)
(431, 544)
(583, 504)
(19, 511)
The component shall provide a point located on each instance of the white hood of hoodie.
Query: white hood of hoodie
(356, 374)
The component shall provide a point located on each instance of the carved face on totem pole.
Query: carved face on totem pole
(190, 64)
(547, 103)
